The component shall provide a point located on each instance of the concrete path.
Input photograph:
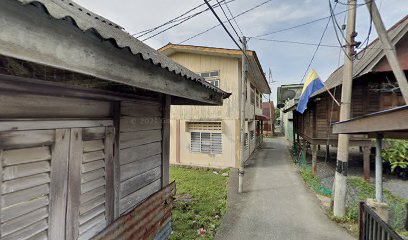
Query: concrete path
(276, 203)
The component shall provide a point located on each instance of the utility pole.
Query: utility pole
(270, 106)
(388, 48)
(243, 104)
(340, 179)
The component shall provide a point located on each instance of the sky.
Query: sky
(288, 62)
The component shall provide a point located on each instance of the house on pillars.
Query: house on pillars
(374, 89)
(84, 125)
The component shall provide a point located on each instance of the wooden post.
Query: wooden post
(366, 163)
(378, 169)
(166, 141)
(327, 152)
(116, 164)
(314, 159)
(388, 48)
(304, 148)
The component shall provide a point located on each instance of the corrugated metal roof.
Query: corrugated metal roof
(87, 20)
(367, 59)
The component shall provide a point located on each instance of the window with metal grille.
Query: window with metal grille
(206, 142)
(252, 95)
(252, 134)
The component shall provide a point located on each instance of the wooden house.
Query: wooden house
(210, 136)
(84, 125)
(374, 89)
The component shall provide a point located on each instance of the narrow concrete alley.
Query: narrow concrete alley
(276, 203)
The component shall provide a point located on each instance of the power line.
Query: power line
(225, 14)
(295, 42)
(317, 48)
(238, 15)
(178, 22)
(236, 23)
(168, 22)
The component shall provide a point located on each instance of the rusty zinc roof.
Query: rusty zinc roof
(368, 58)
(87, 20)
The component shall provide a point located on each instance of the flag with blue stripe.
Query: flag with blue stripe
(312, 84)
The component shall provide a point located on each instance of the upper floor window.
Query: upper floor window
(212, 77)
(252, 95)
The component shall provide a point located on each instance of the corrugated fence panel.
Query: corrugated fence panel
(149, 220)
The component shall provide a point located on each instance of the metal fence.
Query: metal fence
(372, 227)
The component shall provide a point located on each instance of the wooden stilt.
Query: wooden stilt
(366, 163)
(314, 159)
(327, 152)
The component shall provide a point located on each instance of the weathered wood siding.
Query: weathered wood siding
(316, 122)
(140, 152)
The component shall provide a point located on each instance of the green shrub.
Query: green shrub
(396, 154)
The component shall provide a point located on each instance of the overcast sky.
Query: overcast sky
(288, 62)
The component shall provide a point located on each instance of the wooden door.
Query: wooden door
(53, 180)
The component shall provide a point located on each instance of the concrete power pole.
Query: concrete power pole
(340, 180)
(270, 106)
(243, 104)
(388, 48)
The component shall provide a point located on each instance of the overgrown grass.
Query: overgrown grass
(314, 182)
(359, 190)
(207, 206)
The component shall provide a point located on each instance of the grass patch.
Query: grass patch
(359, 190)
(314, 182)
(206, 205)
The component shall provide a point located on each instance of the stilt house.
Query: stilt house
(374, 89)
(84, 130)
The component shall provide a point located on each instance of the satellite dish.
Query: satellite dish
(288, 95)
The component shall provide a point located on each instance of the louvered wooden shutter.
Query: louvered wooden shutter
(29, 160)
(91, 211)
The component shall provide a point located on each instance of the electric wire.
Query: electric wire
(225, 14)
(236, 23)
(215, 26)
(317, 49)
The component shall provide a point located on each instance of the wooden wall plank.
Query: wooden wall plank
(135, 198)
(59, 182)
(133, 184)
(93, 133)
(87, 167)
(24, 183)
(23, 170)
(109, 169)
(29, 231)
(23, 208)
(132, 124)
(26, 155)
(40, 236)
(141, 109)
(86, 187)
(92, 194)
(41, 106)
(74, 181)
(91, 204)
(92, 156)
(92, 232)
(133, 139)
(166, 142)
(44, 124)
(142, 165)
(24, 195)
(94, 222)
(91, 214)
(23, 221)
(116, 157)
(93, 145)
(20, 139)
(1, 185)
(132, 154)
(89, 176)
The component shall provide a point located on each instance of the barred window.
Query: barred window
(204, 126)
(252, 134)
(206, 142)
